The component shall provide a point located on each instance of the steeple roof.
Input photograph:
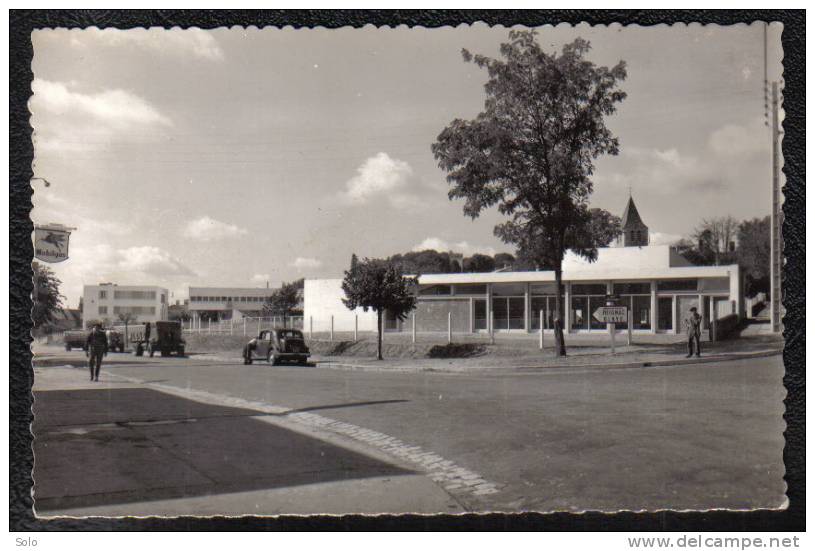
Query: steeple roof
(631, 218)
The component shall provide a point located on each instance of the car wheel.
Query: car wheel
(272, 359)
(67, 347)
(150, 349)
(181, 351)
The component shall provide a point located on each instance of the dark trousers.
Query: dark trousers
(95, 362)
(691, 340)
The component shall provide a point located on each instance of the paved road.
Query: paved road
(691, 437)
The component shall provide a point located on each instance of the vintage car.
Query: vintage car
(276, 346)
(75, 339)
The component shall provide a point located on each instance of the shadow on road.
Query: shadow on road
(98, 447)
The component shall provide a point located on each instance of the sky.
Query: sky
(233, 157)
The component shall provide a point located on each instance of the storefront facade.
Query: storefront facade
(655, 284)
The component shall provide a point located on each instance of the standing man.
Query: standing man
(693, 327)
(97, 347)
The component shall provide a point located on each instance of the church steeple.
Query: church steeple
(634, 230)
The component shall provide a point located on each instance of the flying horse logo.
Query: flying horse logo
(55, 239)
(51, 245)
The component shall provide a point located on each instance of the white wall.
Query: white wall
(322, 298)
(91, 302)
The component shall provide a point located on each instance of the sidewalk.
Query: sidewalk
(542, 361)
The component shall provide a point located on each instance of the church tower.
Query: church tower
(634, 230)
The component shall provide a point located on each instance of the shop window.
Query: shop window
(580, 313)
(641, 312)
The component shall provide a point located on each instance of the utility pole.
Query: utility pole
(775, 223)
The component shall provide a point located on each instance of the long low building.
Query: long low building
(656, 284)
(218, 303)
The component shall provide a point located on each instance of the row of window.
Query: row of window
(227, 299)
(519, 289)
(131, 295)
(135, 310)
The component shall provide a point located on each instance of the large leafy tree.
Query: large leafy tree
(47, 299)
(531, 151)
(479, 263)
(753, 254)
(378, 285)
(283, 301)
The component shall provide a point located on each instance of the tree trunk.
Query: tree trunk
(560, 343)
(379, 334)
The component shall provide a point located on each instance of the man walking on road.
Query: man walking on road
(693, 327)
(97, 347)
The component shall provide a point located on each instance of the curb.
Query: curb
(327, 364)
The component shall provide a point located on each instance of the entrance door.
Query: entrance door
(665, 313)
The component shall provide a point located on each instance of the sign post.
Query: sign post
(611, 315)
(51, 242)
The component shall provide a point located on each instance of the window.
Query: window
(589, 289)
(103, 294)
(580, 312)
(678, 285)
(432, 290)
(641, 312)
(103, 310)
(508, 289)
(635, 288)
(134, 295)
(471, 289)
(544, 288)
(135, 310)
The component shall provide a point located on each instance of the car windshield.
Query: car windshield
(289, 334)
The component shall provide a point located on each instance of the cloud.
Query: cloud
(151, 260)
(302, 263)
(379, 176)
(261, 278)
(209, 229)
(195, 43)
(734, 140)
(462, 247)
(68, 120)
(115, 107)
(660, 238)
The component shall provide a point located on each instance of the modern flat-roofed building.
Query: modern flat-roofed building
(655, 283)
(107, 301)
(220, 303)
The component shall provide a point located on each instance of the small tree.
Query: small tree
(531, 151)
(283, 301)
(378, 285)
(127, 318)
(46, 297)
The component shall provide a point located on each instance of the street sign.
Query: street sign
(611, 314)
(51, 242)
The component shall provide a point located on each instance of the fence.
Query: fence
(244, 326)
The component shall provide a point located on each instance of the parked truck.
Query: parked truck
(75, 339)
